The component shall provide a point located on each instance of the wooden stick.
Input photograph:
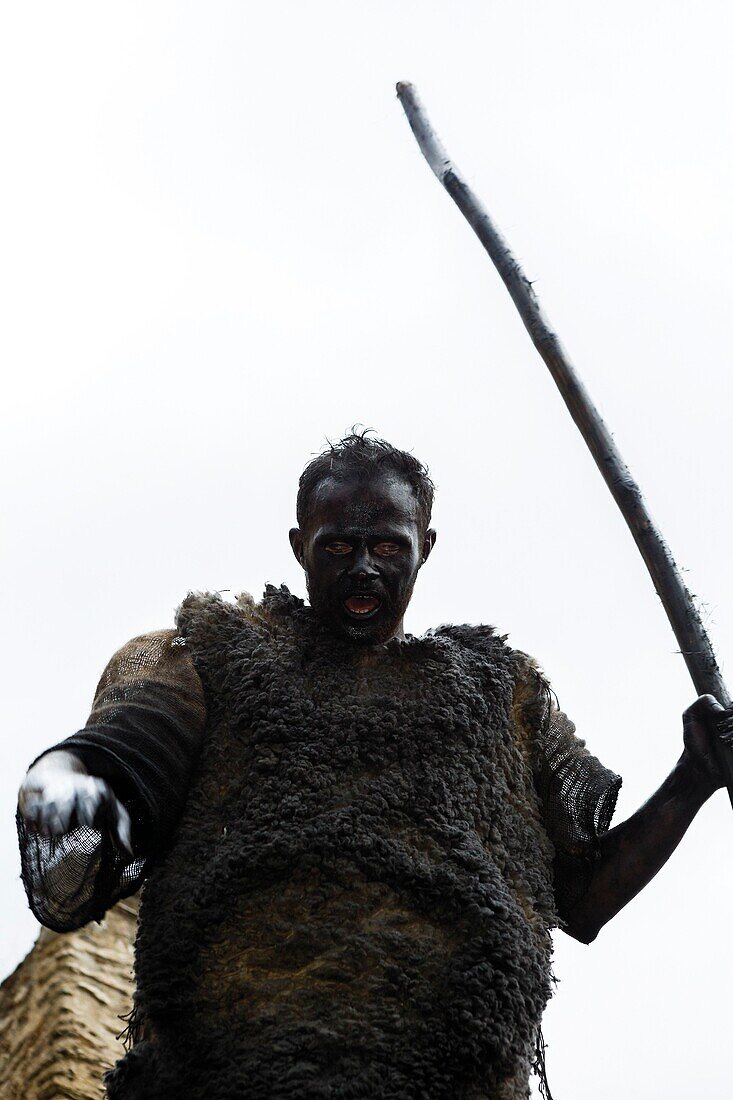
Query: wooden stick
(678, 603)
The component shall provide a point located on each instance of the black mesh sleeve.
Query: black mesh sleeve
(577, 794)
(143, 736)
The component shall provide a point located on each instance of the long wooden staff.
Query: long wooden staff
(676, 599)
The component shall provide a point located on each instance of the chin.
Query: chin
(373, 633)
(375, 630)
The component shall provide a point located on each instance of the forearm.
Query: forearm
(97, 807)
(632, 853)
(144, 734)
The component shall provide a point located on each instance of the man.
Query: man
(355, 841)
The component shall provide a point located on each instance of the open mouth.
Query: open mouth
(362, 606)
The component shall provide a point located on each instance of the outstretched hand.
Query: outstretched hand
(704, 722)
(58, 794)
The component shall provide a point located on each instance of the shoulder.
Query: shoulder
(531, 694)
(533, 702)
(532, 688)
(479, 638)
(205, 616)
(220, 633)
(144, 650)
(156, 654)
(527, 682)
(530, 681)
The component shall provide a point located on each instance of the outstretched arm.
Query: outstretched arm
(96, 809)
(633, 852)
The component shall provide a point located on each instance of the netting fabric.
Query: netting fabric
(577, 796)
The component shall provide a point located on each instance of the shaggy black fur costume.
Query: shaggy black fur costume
(357, 900)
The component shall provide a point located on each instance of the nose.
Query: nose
(362, 566)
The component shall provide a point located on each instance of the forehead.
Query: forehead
(357, 503)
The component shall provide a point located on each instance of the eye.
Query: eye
(387, 549)
(338, 548)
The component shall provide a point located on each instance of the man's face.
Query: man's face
(361, 548)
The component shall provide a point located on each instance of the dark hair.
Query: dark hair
(361, 456)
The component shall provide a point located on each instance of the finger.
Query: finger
(55, 818)
(49, 806)
(707, 704)
(86, 805)
(104, 808)
(56, 815)
(725, 727)
(30, 805)
(113, 818)
(123, 828)
(724, 723)
(27, 796)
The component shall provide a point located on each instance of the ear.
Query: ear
(296, 541)
(428, 544)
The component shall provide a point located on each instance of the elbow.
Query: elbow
(582, 934)
(580, 928)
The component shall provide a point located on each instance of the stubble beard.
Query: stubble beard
(329, 608)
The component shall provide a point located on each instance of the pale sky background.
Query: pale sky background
(220, 245)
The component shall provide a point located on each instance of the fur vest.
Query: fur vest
(358, 898)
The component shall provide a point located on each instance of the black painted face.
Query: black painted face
(361, 549)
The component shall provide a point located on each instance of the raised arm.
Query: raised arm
(94, 811)
(633, 852)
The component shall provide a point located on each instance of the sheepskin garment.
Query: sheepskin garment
(358, 896)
